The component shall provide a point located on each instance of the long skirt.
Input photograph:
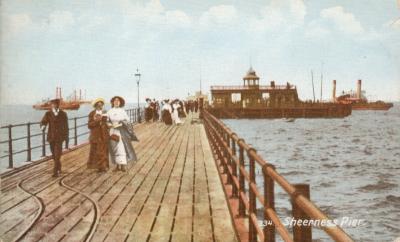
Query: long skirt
(155, 115)
(181, 113)
(175, 117)
(98, 156)
(166, 117)
(148, 114)
(117, 149)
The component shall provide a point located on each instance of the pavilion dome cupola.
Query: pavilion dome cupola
(251, 78)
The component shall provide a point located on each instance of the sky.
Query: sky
(97, 46)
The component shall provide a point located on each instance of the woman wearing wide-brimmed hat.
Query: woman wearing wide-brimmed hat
(121, 135)
(166, 111)
(148, 110)
(99, 137)
(175, 112)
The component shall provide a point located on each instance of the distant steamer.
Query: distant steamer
(251, 100)
(73, 103)
(358, 101)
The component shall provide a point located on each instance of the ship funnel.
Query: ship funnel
(334, 91)
(359, 89)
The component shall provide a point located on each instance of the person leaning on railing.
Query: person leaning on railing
(58, 132)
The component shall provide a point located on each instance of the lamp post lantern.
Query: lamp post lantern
(138, 75)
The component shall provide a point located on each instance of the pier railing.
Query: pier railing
(240, 163)
(28, 138)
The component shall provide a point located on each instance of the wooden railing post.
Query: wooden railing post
(301, 233)
(224, 153)
(10, 147)
(28, 142)
(252, 198)
(242, 207)
(228, 158)
(234, 168)
(269, 203)
(44, 142)
(75, 133)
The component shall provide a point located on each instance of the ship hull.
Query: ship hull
(372, 106)
(74, 106)
(337, 111)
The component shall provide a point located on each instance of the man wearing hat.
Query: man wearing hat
(57, 133)
(99, 137)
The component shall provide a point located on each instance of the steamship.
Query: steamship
(252, 100)
(359, 101)
(73, 104)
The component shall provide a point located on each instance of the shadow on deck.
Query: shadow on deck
(172, 193)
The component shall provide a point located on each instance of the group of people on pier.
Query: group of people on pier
(169, 111)
(111, 135)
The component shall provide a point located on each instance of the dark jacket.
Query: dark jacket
(58, 126)
(98, 129)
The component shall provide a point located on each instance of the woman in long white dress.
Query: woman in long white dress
(166, 115)
(121, 149)
(175, 114)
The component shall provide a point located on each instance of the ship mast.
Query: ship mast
(322, 66)
(312, 82)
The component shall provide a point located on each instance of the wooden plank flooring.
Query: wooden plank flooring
(172, 193)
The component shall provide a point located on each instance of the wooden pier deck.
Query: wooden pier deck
(172, 193)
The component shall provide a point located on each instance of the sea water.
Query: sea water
(352, 166)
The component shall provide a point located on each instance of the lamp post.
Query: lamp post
(137, 75)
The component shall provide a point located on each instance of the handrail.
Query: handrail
(77, 129)
(231, 150)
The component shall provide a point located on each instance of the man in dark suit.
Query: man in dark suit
(57, 133)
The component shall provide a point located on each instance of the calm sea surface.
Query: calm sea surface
(351, 164)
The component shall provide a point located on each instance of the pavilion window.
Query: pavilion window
(236, 97)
